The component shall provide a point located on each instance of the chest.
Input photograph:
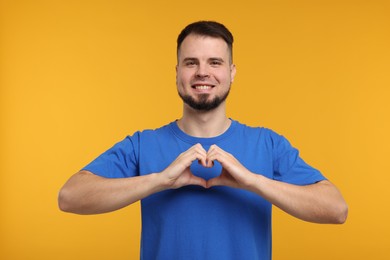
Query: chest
(157, 156)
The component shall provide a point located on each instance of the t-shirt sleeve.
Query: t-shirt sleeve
(290, 167)
(120, 161)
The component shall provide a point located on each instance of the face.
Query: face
(204, 72)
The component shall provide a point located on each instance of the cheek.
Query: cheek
(224, 77)
(183, 77)
(180, 83)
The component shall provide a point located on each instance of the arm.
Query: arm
(87, 193)
(320, 202)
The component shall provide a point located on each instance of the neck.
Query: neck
(204, 124)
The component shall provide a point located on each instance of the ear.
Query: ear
(232, 72)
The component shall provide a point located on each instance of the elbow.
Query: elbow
(71, 195)
(65, 201)
(63, 205)
(337, 208)
(340, 214)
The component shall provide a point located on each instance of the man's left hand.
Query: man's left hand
(233, 174)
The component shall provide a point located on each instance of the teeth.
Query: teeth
(202, 87)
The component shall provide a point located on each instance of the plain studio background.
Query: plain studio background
(78, 76)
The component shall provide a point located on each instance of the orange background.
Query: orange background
(78, 76)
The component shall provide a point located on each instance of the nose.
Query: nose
(202, 72)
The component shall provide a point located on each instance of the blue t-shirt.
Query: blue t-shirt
(197, 223)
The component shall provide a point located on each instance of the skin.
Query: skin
(203, 61)
(204, 72)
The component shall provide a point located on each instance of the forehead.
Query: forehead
(199, 46)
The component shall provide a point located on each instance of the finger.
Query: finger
(198, 181)
(216, 151)
(217, 181)
(212, 155)
(196, 152)
(216, 154)
(226, 159)
(200, 153)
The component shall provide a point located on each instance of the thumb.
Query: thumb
(197, 181)
(217, 181)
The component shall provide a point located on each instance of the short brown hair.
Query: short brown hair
(207, 28)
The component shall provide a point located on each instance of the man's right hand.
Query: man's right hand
(178, 173)
(87, 193)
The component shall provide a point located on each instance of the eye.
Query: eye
(215, 63)
(190, 63)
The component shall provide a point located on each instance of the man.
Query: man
(206, 182)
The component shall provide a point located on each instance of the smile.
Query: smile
(203, 87)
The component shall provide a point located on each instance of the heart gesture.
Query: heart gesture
(234, 174)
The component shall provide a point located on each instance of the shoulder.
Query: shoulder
(150, 132)
(150, 135)
(261, 132)
(264, 137)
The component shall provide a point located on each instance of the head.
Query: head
(205, 70)
(210, 29)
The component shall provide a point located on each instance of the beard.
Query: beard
(203, 103)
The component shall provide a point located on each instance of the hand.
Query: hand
(178, 173)
(233, 174)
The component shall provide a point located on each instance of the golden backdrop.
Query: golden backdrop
(78, 76)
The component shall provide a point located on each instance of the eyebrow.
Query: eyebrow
(217, 59)
(190, 59)
(209, 59)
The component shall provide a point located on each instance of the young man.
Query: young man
(207, 182)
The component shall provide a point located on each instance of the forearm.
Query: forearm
(319, 203)
(86, 193)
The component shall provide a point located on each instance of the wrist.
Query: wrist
(160, 181)
(254, 181)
